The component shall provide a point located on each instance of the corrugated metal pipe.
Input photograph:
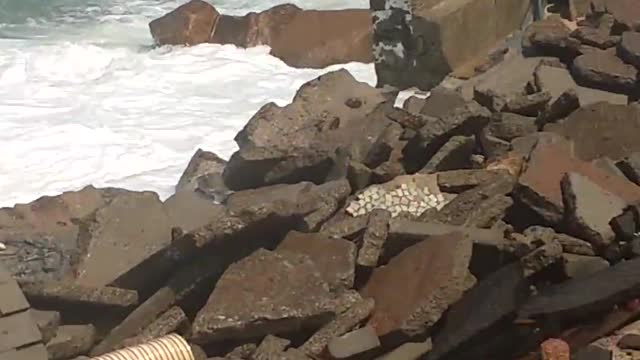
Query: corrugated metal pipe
(170, 347)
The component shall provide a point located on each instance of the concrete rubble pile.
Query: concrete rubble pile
(496, 219)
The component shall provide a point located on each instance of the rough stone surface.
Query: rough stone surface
(70, 341)
(271, 347)
(454, 154)
(120, 235)
(557, 81)
(605, 71)
(528, 105)
(202, 163)
(343, 323)
(172, 320)
(601, 129)
(458, 181)
(374, 238)
(540, 258)
(629, 48)
(570, 245)
(539, 186)
(577, 266)
(551, 37)
(411, 304)
(554, 349)
(189, 210)
(589, 209)
(500, 294)
(335, 258)
(508, 126)
(630, 167)
(265, 293)
(599, 38)
(189, 24)
(297, 142)
(408, 351)
(67, 293)
(48, 323)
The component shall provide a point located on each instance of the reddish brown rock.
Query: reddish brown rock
(589, 209)
(539, 186)
(605, 71)
(601, 129)
(265, 293)
(416, 287)
(554, 349)
(301, 38)
(335, 258)
(189, 24)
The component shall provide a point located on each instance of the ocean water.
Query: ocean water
(85, 99)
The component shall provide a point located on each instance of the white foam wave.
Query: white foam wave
(85, 106)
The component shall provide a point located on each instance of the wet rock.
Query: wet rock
(557, 81)
(539, 186)
(343, 323)
(335, 258)
(374, 238)
(410, 305)
(189, 24)
(528, 105)
(570, 245)
(48, 323)
(601, 129)
(132, 227)
(582, 296)
(605, 71)
(70, 341)
(629, 48)
(501, 293)
(577, 266)
(458, 181)
(462, 210)
(172, 320)
(202, 163)
(265, 293)
(550, 37)
(354, 343)
(508, 126)
(271, 347)
(599, 38)
(630, 167)
(296, 142)
(589, 209)
(71, 294)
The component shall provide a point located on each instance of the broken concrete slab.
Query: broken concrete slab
(557, 81)
(600, 38)
(334, 258)
(265, 293)
(508, 126)
(550, 37)
(18, 330)
(343, 323)
(458, 181)
(70, 341)
(190, 210)
(528, 105)
(271, 347)
(582, 296)
(353, 343)
(454, 154)
(605, 71)
(560, 108)
(601, 129)
(48, 323)
(570, 245)
(344, 226)
(580, 266)
(629, 48)
(71, 294)
(33, 352)
(201, 163)
(172, 320)
(120, 235)
(589, 209)
(411, 305)
(541, 257)
(374, 237)
(539, 186)
(499, 294)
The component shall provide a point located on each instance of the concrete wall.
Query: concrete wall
(436, 37)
